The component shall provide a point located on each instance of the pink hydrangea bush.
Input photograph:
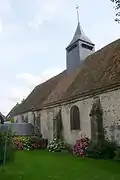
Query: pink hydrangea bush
(80, 147)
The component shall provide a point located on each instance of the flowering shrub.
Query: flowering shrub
(80, 147)
(56, 145)
(22, 143)
(28, 142)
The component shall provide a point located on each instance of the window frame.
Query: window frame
(75, 118)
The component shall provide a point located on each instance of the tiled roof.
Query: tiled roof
(99, 70)
(38, 95)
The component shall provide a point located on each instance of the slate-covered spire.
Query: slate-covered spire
(79, 48)
(80, 35)
(77, 35)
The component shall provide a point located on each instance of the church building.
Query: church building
(84, 99)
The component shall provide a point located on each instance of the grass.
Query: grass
(41, 165)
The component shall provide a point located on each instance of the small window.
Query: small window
(26, 119)
(87, 46)
(22, 118)
(75, 118)
(73, 47)
(34, 118)
(38, 122)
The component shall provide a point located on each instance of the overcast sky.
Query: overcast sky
(34, 35)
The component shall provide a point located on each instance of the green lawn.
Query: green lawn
(41, 165)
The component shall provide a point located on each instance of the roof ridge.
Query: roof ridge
(85, 79)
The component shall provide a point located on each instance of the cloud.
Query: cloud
(1, 27)
(29, 81)
(6, 13)
(33, 80)
(5, 8)
(52, 6)
(48, 9)
(18, 93)
(35, 23)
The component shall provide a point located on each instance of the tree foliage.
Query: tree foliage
(117, 8)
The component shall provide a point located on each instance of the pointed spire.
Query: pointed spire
(77, 8)
(78, 30)
(79, 34)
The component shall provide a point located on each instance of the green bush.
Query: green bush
(102, 150)
(2, 142)
(9, 148)
(117, 154)
(12, 120)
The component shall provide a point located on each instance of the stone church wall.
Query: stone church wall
(111, 117)
(110, 103)
(47, 116)
(70, 136)
(23, 117)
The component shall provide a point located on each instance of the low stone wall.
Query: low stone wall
(24, 129)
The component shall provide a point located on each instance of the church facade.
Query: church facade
(82, 100)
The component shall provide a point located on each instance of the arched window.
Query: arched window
(26, 119)
(22, 118)
(75, 118)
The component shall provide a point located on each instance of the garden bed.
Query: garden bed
(29, 142)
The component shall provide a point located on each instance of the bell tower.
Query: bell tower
(79, 48)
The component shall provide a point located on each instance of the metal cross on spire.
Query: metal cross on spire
(77, 8)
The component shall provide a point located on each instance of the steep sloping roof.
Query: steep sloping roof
(38, 95)
(12, 111)
(99, 70)
(79, 35)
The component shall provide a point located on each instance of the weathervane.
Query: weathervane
(77, 7)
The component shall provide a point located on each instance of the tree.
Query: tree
(117, 8)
